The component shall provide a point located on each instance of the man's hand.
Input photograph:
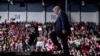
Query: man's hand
(63, 31)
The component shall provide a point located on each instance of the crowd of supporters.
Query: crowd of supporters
(33, 36)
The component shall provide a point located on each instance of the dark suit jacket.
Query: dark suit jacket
(62, 23)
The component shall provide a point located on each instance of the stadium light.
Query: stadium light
(43, 3)
(11, 1)
(83, 3)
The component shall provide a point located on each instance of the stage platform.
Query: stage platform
(29, 54)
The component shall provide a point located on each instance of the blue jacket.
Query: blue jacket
(62, 23)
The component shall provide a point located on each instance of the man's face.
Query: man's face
(56, 10)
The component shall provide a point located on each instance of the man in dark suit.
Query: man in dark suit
(61, 29)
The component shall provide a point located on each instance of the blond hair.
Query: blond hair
(56, 7)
